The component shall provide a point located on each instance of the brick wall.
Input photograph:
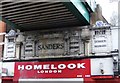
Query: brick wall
(2, 27)
(2, 31)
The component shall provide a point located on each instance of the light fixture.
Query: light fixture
(115, 58)
(101, 68)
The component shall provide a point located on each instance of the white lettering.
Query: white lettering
(53, 66)
(46, 66)
(46, 71)
(59, 71)
(71, 66)
(50, 71)
(20, 67)
(61, 66)
(37, 67)
(80, 65)
(28, 67)
(55, 71)
(38, 71)
(42, 71)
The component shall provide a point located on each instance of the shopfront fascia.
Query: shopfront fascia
(45, 70)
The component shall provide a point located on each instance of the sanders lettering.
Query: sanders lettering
(51, 46)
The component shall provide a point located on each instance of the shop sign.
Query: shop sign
(50, 69)
(50, 47)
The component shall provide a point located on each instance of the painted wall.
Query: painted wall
(114, 38)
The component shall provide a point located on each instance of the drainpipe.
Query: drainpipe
(119, 51)
(119, 39)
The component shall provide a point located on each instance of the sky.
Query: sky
(108, 7)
